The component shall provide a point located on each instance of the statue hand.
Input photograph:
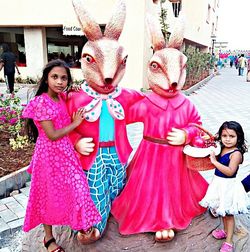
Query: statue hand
(85, 146)
(176, 137)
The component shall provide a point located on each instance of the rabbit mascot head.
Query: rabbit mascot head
(167, 67)
(103, 59)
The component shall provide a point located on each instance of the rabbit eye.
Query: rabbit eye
(88, 58)
(154, 65)
(124, 61)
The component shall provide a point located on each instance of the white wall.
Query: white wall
(49, 12)
(36, 50)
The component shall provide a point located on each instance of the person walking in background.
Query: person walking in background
(239, 71)
(236, 62)
(248, 69)
(8, 62)
(59, 193)
(226, 195)
(242, 64)
(231, 61)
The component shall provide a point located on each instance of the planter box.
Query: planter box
(198, 85)
(13, 181)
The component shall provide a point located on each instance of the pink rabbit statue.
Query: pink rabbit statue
(103, 65)
(162, 195)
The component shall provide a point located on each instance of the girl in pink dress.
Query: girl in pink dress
(59, 193)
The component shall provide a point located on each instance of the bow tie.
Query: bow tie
(93, 109)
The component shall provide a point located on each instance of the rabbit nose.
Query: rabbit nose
(174, 85)
(108, 81)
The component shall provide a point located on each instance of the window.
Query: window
(67, 48)
(176, 8)
(14, 38)
(216, 23)
(215, 2)
(212, 31)
(208, 14)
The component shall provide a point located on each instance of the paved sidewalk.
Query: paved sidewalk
(225, 97)
(12, 211)
(22, 90)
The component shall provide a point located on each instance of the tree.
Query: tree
(163, 18)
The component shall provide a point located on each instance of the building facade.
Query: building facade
(38, 31)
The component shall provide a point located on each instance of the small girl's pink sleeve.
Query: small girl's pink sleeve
(39, 109)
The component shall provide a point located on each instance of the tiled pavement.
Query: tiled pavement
(12, 211)
(225, 97)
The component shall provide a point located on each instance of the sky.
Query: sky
(234, 21)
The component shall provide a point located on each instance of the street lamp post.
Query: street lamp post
(213, 37)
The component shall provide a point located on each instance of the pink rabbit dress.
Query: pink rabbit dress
(59, 193)
(161, 192)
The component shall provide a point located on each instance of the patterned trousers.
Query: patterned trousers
(106, 179)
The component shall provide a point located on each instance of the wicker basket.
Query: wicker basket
(198, 159)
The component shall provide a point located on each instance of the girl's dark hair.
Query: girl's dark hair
(241, 142)
(31, 128)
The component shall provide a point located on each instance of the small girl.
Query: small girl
(59, 193)
(226, 195)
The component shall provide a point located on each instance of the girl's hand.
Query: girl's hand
(213, 157)
(75, 87)
(78, 116)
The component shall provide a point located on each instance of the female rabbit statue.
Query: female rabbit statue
(103, 64)
(162, 195)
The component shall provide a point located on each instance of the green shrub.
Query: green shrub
(198, 65)
(28, 80)
(11, 120)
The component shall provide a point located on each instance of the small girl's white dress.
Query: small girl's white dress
(226, 195)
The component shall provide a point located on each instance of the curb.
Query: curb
(12, 213)
(21, 85)
(198, 85)
(14, 181)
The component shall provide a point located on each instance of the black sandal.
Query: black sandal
(47, 243)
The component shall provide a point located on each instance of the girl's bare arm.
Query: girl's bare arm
(235, 160)
(54, 134)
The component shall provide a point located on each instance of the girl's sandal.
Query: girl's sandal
(88, 237)
(47, 243)
(219, 234)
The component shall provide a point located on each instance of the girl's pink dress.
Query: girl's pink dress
(161, 192)
(59, 193)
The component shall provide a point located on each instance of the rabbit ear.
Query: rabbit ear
(157, 37)
(90, 28)
(177, 35)
(115, 25)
